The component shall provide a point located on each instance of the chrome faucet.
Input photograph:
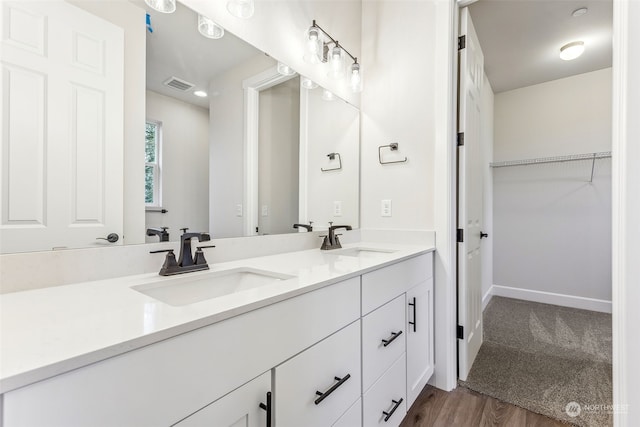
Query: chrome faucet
(186, 262)
(331, 240)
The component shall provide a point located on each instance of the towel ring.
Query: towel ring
(332, 156)
(392, 147)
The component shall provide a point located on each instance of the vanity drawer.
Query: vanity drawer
(331, 368)
(385, 395)
(351, 418)
(384, 284)
(162, 383)
(386, 323)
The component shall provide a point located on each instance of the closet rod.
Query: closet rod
(556, 159)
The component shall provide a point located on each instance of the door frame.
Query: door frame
(626, 204)
(252, 87)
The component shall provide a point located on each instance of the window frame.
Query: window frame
(156, 166)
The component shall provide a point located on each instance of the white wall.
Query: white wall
(565, 116)
(278, 157)
(626, 211)
(397, 107)
(184, 163)
(332, 126)
(226, 136)
(486, 147)
(552, 227)
(128, 16)
(278, 28)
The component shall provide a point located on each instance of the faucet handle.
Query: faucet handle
(160, 251)
(184, 230)
(199, 258)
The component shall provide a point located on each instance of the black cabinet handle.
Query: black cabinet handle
(267, 408)
(394, 335)
(332, 389)
(413, 304)
(390, 413)
(483, 235)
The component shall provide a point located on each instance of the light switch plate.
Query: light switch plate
(337, 208)
(385, 208)
(265, 210)
(238, 210)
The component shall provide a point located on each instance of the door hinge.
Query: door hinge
(460, 332)
(460, 139)
(460, 235)
(462, 42)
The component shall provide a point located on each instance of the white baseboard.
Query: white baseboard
(487, 297)
(592, 304)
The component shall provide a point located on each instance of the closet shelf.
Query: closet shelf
(556, 159)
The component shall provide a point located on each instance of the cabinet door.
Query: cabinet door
(420, 364)
(247, 406)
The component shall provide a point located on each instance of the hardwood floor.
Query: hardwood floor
(465, 408)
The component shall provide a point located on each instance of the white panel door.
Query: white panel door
(470, 205)
(61, 122)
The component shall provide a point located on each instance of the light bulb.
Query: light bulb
(200, 93)
(571, 50)
(336, 63)
(313, 46)
(307, 83)
(208, 28)
(356, 78)
(164, 6)
(328, 95)
(285, 70)
(241, 8)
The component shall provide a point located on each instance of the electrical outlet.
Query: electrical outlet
(337, 208)
(265, 210)
(238, 210)
(385, 208)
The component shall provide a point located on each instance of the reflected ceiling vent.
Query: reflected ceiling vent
(179, 84)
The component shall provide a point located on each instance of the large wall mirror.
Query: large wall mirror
(235, 143)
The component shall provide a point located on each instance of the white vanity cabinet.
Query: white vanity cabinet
(248, 406)
(352, 353)
(402, 292)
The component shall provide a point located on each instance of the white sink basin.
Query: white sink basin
(361, 252)
(189, 289)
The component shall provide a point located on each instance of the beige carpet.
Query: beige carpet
(543, 357)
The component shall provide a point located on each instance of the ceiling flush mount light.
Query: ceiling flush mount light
(208, 28)
(285, 70)
(320, 47)
(241, 8)
(164, 6)
(571, 50)
(200, 93)
(307, 83)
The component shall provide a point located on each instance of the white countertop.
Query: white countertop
(46, 332)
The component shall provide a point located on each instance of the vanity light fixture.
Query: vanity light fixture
(320, 47)
(208, 28)
(241, 8)
(307, 83)
(164, 6)
(571, 50)
(200, 93)
(285, 70)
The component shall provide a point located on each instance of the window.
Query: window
(152, 171)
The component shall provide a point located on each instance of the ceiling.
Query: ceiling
(521, 39)
(176, 48)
